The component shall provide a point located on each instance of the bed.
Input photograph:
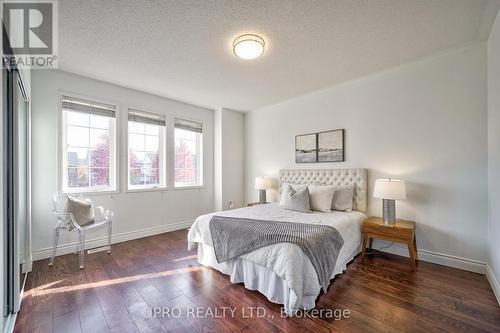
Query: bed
(282, 272)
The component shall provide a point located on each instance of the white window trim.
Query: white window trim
(62, 156)
(163, 186)
(200, 156)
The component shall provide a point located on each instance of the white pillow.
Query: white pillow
(343, 199)
(81, 209)
(295, 200)
(296, 187)
(284, 188)
(321, 197)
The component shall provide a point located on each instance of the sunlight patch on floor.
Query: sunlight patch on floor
(47, 290)
(194, 256)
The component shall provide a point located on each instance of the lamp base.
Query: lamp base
(262, 197)
(389, 211)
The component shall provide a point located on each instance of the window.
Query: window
(146, 150)
(89, 146)
(188, 158)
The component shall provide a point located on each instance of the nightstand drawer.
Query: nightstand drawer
(401, 231)
(388, 231)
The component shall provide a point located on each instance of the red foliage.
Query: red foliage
(185, 171)
(99, 162)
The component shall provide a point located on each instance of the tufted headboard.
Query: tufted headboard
(335, 177)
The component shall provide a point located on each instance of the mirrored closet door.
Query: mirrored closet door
(21, 174)
(16, 185)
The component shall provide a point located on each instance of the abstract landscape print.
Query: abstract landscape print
(306, 148)
(331, 146)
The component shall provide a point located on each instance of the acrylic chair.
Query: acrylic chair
(67, 221)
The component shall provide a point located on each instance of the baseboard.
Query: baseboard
(118, 238)
(425, 255)
(438, 258)
(493, 282)
(9, 323)
(27, 266)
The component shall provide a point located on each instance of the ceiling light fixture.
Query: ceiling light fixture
(248, 46)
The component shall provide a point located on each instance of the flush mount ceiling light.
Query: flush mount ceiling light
(248, 46)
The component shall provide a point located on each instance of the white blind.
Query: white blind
(89, 107)
(146, 117)
(189, 125)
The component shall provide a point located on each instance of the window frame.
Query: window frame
(162, 149)
(200, 156)
(114, 140)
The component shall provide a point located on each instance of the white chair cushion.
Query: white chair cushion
(81, 209)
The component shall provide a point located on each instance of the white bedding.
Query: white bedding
(287, 261)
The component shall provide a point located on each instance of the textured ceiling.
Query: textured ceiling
(182, 49)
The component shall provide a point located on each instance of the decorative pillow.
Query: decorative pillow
(284, 188)
(296, 187)
(81, 209)
(295, 200)
(321, 197)
(342, 199)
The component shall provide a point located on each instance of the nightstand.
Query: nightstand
(250, 204)
(400, 232)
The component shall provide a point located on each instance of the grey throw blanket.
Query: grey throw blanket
(234, 236)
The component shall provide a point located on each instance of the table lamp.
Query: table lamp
(262, 184)
(389, 190)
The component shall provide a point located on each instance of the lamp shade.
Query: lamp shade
(392, 189)
(262, 183)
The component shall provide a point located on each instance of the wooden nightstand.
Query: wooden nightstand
(401, 232)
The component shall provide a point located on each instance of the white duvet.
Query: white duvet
(287, 260)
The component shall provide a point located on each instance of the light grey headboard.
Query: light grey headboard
(335, 177)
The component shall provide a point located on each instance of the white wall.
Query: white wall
(494, 154)
(218, 160)
(229, 159)
(423, 122)
(136, 214)
(233, 158)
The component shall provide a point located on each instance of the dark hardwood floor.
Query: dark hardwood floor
(114, 293)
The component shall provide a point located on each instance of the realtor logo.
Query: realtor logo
(30, 33)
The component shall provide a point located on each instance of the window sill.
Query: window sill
(196, 187)
(151, 189)
(138, 190)
(92, 193)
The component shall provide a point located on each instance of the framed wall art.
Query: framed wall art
(306, 148)
(331, 146)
